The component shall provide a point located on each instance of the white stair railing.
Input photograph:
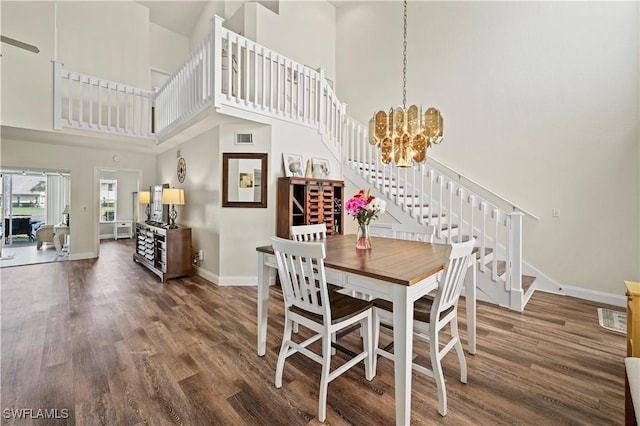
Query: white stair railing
(90, 103)
(187, 92)
(430, 197)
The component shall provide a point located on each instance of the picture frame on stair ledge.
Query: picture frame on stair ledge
(292, 165)
(320, 168)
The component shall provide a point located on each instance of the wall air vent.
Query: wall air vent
(244, 138)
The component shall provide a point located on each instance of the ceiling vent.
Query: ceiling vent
(244, 138)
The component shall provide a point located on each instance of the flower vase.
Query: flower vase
(363, 238)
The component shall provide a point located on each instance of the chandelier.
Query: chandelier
(404, 134)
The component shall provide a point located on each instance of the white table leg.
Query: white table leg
(403, 348)
(264, 274)
(470, 300)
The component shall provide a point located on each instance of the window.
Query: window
(108, 200)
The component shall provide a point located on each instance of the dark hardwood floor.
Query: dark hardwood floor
(107, 342)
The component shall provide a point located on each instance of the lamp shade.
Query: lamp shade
(144, 197)
(66, 209)
(173, 196)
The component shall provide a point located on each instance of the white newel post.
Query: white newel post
(515, 258)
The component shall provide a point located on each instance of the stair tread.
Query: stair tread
(527, 282)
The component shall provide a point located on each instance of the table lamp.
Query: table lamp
(173, 196)
(144, 197)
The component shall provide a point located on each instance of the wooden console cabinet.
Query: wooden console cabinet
(165, 252)
(306, 201)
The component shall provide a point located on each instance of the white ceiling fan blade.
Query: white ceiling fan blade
(19, 44)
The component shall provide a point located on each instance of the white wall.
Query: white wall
(104, 39)
(302, 30)
(27, 78)
(205, 22)
(168, 50)
(227, 235)
(84, 164)
(540, 103)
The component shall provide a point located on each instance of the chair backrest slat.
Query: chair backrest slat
(453, 277)
(302, 274)
(413, 231)
(315, 232)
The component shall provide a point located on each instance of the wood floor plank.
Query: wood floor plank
(110, 343)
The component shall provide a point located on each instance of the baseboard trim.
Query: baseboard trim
(592, 295)
(233, 281)
(81, 256)
(209, 276)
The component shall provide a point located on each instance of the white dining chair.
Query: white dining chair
(308, 233)
(431, 315)
(309, 303)
(314, 232)
(413, 231)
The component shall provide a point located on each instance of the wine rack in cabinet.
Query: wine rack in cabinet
(306, 201)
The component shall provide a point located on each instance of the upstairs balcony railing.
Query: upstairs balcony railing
(228, 71)
(90, 103)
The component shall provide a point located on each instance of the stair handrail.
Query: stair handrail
(461, 176)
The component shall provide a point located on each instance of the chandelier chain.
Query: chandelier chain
(404, 60)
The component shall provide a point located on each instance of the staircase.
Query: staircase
(229, 74)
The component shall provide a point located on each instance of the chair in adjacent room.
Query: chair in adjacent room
(431, 316)
(413, 231)
(308, 302)
(44, 234)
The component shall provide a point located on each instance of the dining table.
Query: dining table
(400, 271)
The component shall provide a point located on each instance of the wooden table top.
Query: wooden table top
(392, 260)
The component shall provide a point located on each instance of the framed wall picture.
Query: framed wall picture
(246, 180)
(242, 177)
(320, 168)
(292, 165)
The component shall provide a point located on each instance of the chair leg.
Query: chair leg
(334, 339)
(284, 348)
(375, 341)
(324, 380)
(459, 351)
(367, 345)
(436, 366)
